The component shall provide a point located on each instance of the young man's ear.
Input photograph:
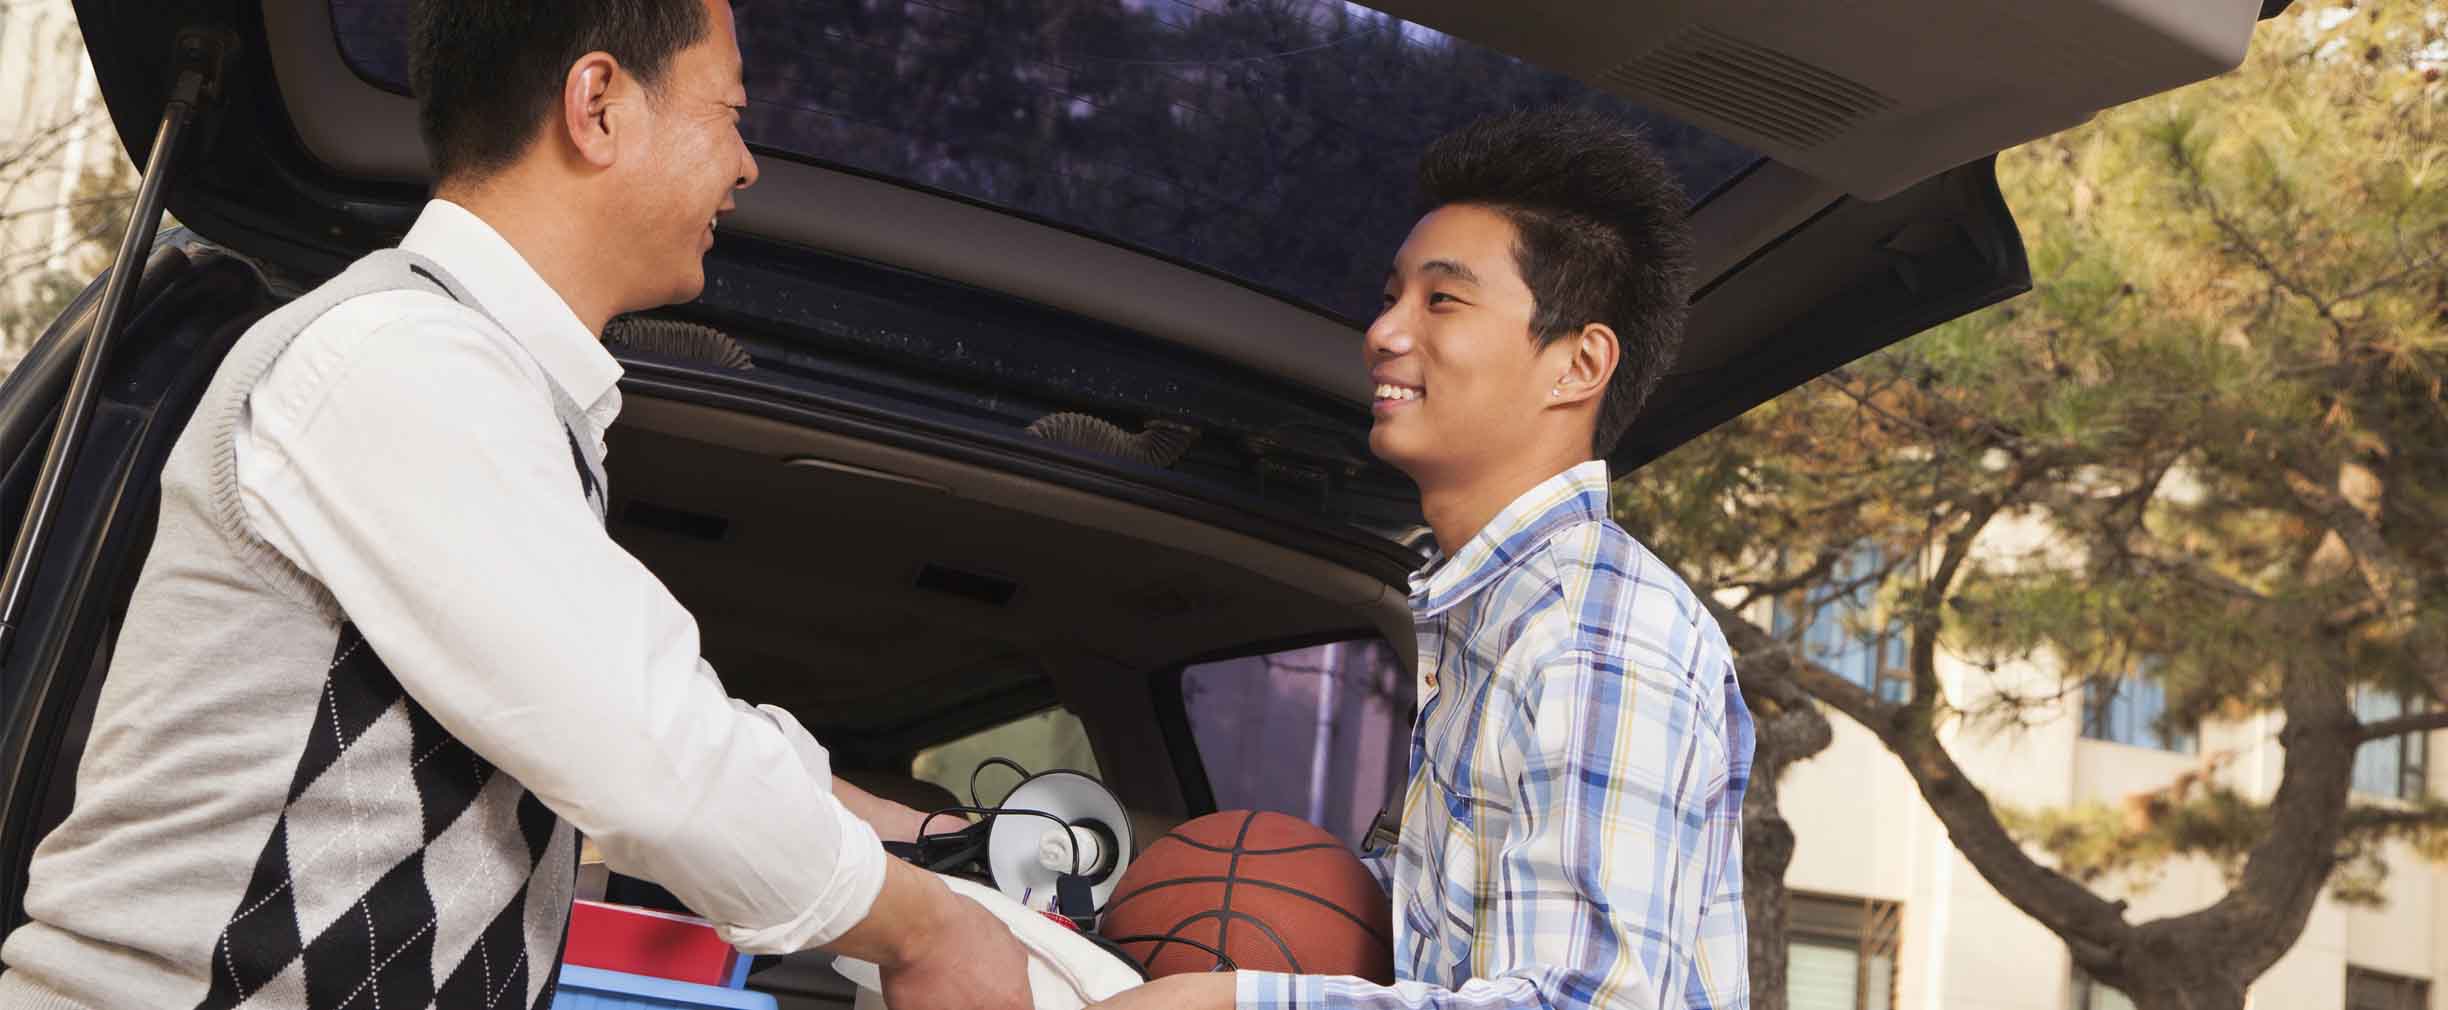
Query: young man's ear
(1589, 360)
(589, 97)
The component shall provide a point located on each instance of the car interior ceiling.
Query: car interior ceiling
(891, 599)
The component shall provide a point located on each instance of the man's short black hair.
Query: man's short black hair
(488, 72)
(1604, 230)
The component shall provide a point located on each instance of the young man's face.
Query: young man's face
(1460, 380)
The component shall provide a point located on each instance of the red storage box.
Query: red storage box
(642, 941)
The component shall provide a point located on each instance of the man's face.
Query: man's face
(688, 161)
(1460, 380)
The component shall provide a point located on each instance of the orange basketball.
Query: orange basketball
(1275, 893)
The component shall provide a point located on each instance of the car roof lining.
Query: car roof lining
(799, 611)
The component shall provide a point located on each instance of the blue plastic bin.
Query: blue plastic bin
(597, 989)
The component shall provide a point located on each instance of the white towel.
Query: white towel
(1066, 970)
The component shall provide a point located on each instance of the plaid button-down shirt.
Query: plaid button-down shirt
(1572, 832)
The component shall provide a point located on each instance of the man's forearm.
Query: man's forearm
(912, 907)
(892, 821)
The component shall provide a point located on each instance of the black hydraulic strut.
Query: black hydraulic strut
(199, 65)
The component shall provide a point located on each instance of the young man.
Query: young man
(383, 658)
(1571, 833)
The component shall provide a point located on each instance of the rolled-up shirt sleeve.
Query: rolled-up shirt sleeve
(417, 470)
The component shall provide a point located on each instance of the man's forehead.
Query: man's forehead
(1466, 246)
(725, 36)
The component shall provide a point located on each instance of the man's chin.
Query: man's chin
(686, 287)
(1396, 451)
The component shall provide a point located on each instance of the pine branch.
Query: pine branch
(2402, 725)
(2371, 819)
(2093, 926)
(2197, 187)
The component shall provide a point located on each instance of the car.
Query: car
(1050, 441)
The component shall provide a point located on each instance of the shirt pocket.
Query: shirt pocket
(1446, 906)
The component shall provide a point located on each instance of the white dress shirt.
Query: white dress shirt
(405, 453)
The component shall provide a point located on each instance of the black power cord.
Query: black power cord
(1224, 961)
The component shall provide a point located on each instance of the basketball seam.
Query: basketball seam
(1269, 885)
(1288, 850)
(1232, 869)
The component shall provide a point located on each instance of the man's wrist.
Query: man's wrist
(930, 915)
(908, 919)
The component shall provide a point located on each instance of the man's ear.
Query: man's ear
(1590, 358)
(588, 98)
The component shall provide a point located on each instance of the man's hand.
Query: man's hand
(937, 950)
(1203, 991)
(972, 962)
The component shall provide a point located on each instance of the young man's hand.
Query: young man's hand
(1201, 991)
(937, 950)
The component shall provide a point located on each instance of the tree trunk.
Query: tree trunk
(2202, 960)
(2181, 985)
(1789, 728)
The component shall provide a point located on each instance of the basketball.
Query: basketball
(1274, 893)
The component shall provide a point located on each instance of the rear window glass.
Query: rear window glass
(1045, 741)
(1322, 733)
(1271, 141)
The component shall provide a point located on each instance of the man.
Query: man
(383, 657)
(1571, 832)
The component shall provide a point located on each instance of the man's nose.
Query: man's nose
(1390, 334)
(748, 168)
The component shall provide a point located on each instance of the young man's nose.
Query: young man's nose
(1390, 334)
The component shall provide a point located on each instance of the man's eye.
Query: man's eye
(1442, 296)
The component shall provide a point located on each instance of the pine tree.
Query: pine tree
(2222, 404)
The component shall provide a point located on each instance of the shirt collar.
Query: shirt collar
(516, 296)
(1575, 496)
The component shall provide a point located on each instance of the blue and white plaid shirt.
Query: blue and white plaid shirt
(1572, 833)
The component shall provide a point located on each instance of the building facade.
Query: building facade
(1888, 916)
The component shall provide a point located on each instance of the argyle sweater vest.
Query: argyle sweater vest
(264, 818)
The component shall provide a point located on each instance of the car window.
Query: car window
(1039, 742)
(1320, 732)
(1188, 128)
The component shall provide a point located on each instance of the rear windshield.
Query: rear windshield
(1271, 141)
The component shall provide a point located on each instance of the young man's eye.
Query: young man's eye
(1443, 297)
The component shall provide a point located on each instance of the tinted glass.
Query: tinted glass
(1042, 742)
(1320, 733)
(1268, 140)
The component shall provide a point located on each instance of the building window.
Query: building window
(1841, 953)
(2397, 767)
(2093, 994)
(2377, 990)
(2131, 710)
(1845, 631)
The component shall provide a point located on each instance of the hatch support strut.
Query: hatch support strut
(199, 64)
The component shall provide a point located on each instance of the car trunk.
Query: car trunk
(863, 522)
